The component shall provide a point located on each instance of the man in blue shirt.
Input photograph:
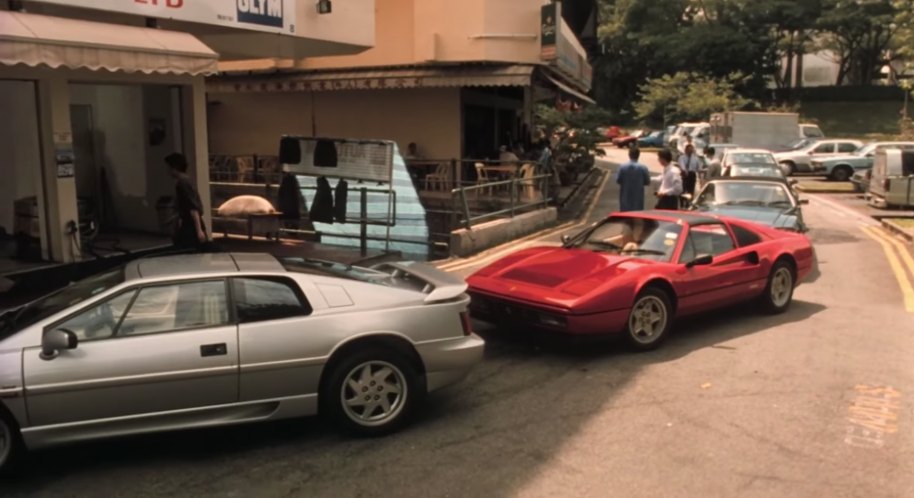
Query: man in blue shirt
(632, 178)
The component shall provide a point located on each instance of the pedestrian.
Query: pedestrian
(190, 231)
(690, 164)
(670, 182)
(412, 151)
(632, 178)
(714, 166)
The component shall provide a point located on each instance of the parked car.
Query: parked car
(756, 170)
(627, 140)
(635, 273)
(765, 200)
(748, 156)
(800, 160)
(810, 130)
(215, 339)
(892, 179)
(683, 129)
(654, 139)
(861, 180)
(610, 132)
(720, 150)
(842, 168)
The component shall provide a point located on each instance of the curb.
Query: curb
(573, 207)
(897, 230)
(799, 188)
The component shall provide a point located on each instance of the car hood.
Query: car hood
(771, 216)
(556, 276)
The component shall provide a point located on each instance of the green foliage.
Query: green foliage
(860, 33)
(688, 96)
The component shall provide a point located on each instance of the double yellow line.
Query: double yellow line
(896, 253)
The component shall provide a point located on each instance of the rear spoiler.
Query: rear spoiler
(439, 285)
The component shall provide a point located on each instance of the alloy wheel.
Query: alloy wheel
(374, 393)
(648, 319)
(781, 286)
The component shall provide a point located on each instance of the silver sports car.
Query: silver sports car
(205, 340)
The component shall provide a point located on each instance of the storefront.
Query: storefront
(97, 92)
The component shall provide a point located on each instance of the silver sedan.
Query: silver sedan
(206, 340)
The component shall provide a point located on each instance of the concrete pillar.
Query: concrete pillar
(57, 199)
(196, 145)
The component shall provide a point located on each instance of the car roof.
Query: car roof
(738, 150)
(780, 180)
(690, 217)
(201, 264)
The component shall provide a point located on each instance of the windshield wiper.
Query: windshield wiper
(645, 251)
(605, 244)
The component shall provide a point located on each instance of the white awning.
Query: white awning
(567, 89)
(35, 40)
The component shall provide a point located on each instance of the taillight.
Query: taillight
(467, 323)
(886, 184)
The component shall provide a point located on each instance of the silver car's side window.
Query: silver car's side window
(99, 321)
(165, 308)
(262, 299)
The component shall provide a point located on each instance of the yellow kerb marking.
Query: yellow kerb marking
(898, 269)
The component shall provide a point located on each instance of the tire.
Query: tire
(789, 168)
(11, 448)
(649, 320)
(779, 290)
(354, 400)
(841, 174)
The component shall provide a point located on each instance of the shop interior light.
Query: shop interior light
(324, 6)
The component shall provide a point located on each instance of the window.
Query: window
(745, 237)
(847, 147)
(262, 299)
(177, 306)
(703, 240)
(824, 149)
(99, 321)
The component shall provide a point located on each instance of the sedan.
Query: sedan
(635, 273)
(206, 340)
(655, 139)
(768, 201)
(627, 140)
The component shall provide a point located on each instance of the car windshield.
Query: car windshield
(16, 319)
(638, 237)
(751, 158)
(756, 170)
(744, 194)
(864, 150)
(812, 131)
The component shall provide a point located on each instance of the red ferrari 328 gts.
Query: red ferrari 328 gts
(635, 272)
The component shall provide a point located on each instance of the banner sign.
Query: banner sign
(273, 16)
(350, 159)
(549, 16)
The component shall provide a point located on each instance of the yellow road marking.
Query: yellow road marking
(902, 249)
(512, 245)
(897, 268)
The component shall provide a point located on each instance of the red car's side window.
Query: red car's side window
(711, 239)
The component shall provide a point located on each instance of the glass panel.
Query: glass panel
(711, 239)
(175, 307)
(260, 299)
(99, 322)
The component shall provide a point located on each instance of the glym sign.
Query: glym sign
(262, 12)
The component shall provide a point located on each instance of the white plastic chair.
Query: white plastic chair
(439, 178)
(482, 178)
(527, 172)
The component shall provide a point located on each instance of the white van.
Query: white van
(892, 182)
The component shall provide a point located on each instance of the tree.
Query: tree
(860, 33)
(687, 96)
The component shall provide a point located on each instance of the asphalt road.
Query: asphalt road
(815, 402)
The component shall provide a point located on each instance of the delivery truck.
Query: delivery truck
(760, 130)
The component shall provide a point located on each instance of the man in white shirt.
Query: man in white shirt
(714, 167)
(690, 164)
(670, 182)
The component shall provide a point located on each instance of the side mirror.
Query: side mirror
(703, 260)
(55, 341)
(803, 201)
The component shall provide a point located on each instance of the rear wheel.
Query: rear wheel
(649, 320)
(372, 392)
(842, 174)
(779, 291)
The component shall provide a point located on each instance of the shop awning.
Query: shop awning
(567, 89)
(36, 40)
(373, 78)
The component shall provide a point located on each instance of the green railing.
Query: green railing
(517, 188)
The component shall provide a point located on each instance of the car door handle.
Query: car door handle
(213, 350)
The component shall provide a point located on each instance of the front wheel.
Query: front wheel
(788, 168)
(779, 291)
(372, 392)
(10, 445)
(649, 320)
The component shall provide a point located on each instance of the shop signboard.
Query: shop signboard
(275, 16)
(549, 16)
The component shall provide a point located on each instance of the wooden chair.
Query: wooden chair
(439, 178)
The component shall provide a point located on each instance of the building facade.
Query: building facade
(96, 93)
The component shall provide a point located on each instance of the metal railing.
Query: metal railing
(514, 206)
